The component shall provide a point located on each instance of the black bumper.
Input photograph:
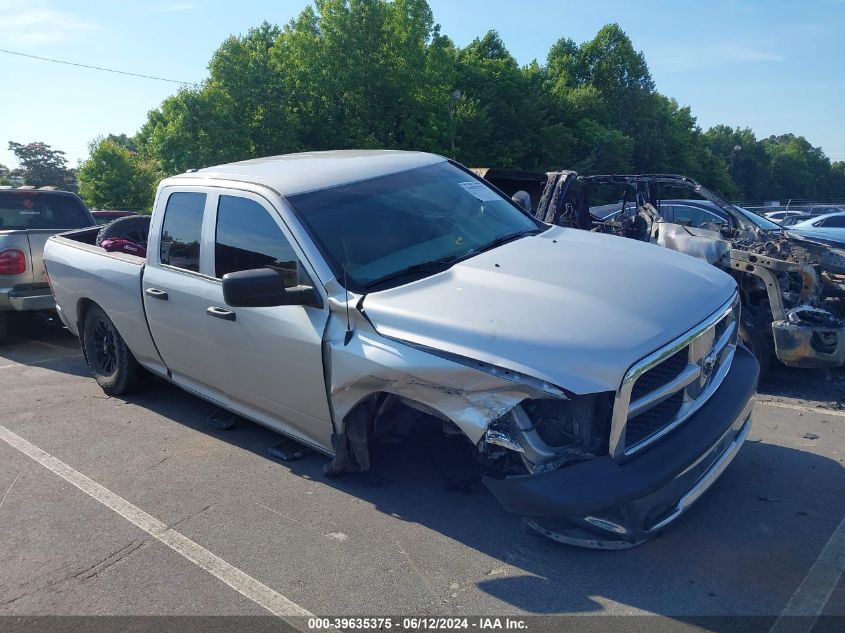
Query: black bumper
(638, 494)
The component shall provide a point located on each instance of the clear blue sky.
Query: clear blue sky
(774, 66)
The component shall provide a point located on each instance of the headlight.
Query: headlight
(549, 433)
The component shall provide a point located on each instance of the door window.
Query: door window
(693, 216)
(837, 221)
(181, 231)
(248, 237)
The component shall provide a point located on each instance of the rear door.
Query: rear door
(266, 360)
(174, 282)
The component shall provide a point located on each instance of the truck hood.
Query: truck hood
(570, 307)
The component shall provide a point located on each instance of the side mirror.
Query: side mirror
(264, 288)
(522, 199)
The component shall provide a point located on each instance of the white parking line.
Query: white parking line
(808, 601)
(40, 361)
(800, 407)
(238, 580)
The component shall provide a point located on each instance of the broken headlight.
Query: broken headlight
(549, 433)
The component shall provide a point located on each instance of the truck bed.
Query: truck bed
(82, 273)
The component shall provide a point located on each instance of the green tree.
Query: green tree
(42, 165)
(113, 177)
(379, 74)
(797, 169)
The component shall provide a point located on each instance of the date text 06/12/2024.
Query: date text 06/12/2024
(417, 623)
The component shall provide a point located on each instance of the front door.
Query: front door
(267, 360)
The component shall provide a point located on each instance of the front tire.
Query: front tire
(109, 359)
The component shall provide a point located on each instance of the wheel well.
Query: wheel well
(377, 416)
(82, 309)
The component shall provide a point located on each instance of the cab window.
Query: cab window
(247, 237)
(182, 230)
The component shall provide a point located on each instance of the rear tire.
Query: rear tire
(134, 228)
(109, 359)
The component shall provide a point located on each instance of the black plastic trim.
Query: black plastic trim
(602, 483)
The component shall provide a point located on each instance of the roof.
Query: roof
(813, 219)
(290, 174)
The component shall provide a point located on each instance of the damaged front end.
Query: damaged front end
(374, 382)
(574, 465)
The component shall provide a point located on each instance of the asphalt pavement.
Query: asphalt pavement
(418, 535)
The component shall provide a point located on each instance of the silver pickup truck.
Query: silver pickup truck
(341, 298)
(28, 217)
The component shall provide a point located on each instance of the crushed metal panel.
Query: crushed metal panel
(700, 243)
(371, 363)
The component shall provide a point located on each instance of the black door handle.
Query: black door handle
(220, 313)
(155, 293)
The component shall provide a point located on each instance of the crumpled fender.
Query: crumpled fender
(370, 363)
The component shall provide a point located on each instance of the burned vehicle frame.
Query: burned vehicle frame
(792, 287)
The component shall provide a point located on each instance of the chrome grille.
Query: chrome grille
(661, 374)
(651, 421)
(659, 392)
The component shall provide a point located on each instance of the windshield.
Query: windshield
(41, 210)
(759, 220)
(418, 219)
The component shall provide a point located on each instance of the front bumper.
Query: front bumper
(26, 298)
(809, 346)
(607, 503)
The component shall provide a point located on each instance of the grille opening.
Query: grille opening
(660, 374)
(653, 420)
(721, 326)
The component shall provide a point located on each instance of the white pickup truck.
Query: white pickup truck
(341, 297)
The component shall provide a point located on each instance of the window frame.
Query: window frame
(157, 229)
(271, 212)
(277, 213)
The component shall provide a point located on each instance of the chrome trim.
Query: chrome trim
(708, 478)
(498, 438)
(690, 373)
(702, 346)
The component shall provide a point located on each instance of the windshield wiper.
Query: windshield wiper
(431, 265)
(442, 263)
(507, 237)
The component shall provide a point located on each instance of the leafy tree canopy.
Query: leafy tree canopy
(42, 165)
(380, 74)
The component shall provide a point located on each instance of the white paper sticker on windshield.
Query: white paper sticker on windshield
(478, 190)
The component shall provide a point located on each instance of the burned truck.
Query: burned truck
(792, 287)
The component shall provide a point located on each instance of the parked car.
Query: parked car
(790, 283)
(104, 216)
(794, 219)
(344, 297)
(824, 209)
(28, 216)
(780, 216)
(831, 221)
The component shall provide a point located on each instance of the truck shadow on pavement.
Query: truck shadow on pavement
(745, 545)
(38, 343)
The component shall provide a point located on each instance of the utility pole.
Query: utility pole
(456, 94)
(735, 149)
